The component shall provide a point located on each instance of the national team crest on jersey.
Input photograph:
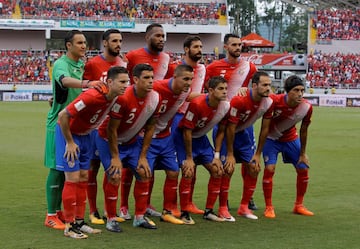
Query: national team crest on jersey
(233, 111)
(116, 108)
(189, 116)
(79, 105)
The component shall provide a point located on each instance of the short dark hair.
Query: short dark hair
(293, 81)
(256, 77)
(228, 36)
(190, 39)
(107, 33)
(114, 71)
(139, 68)
(69, 37)
(215, 81)
(182, 68)
(151, 26)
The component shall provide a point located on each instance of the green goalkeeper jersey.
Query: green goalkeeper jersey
(63, 67)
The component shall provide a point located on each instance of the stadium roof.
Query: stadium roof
(324, 4)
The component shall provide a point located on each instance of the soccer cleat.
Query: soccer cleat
(186, 218)
(53, 221)
(300, 209)
(113, 226)
(124, 213)
(144, 222)
(192, 208)
(96, 219)
(269, 212)
(85, 228)
(246, 212)
(150, 211)
(224, 213)
(72, 230)
(252, 205)
(168, 217)
(60, 216)
(210, 215)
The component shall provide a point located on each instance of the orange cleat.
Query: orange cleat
(269, 212)
(60, 216)
(300, 209)
(176, 212)
(53, 221)
(192, 208)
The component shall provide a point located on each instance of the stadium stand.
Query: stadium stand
(337, 24)
(138, 11)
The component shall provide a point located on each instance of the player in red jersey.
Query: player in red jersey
(96, 69)
(238, 74)
(193, 146)
(193, 53)
(244, 111)
(73, 148)
(153, 55)
(289, 109)
(118, 144)
(162, 152)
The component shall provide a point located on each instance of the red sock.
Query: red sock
(224, 191)
(105, 182)
(80, 200)
(301, 185)
(111, 197)
(69, 201)
(249, 186)
(170, 193)
(151, 185)
(268, 186)
(92, 190)
(213, 191)
(126, 180)
(192, 187)
(185, 189)
(141, 194)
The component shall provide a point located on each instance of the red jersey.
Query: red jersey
(87, 111)
(133, 111)
(96, 68)
(197, 84)
(244, 111)
(237, 75)
(169, 105)
(201, 118)
(285, 118)
(160, 62)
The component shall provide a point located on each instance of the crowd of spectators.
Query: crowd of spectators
(337, 24)
(333, 70)
(7, 8)
(125, 10)
(24, 66)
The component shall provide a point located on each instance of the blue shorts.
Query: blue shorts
(290, 152)
(175, 123)
(202, 150)
(94, 150)
(161, 154)
(129, 154)
(244, 145)
(83, 161)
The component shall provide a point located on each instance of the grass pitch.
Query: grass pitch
(333, 149)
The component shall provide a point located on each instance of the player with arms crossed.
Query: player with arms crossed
(73, 147)
(289, 109)
(153, 55)
(193, 147)
(96, 69)
(238, 74)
